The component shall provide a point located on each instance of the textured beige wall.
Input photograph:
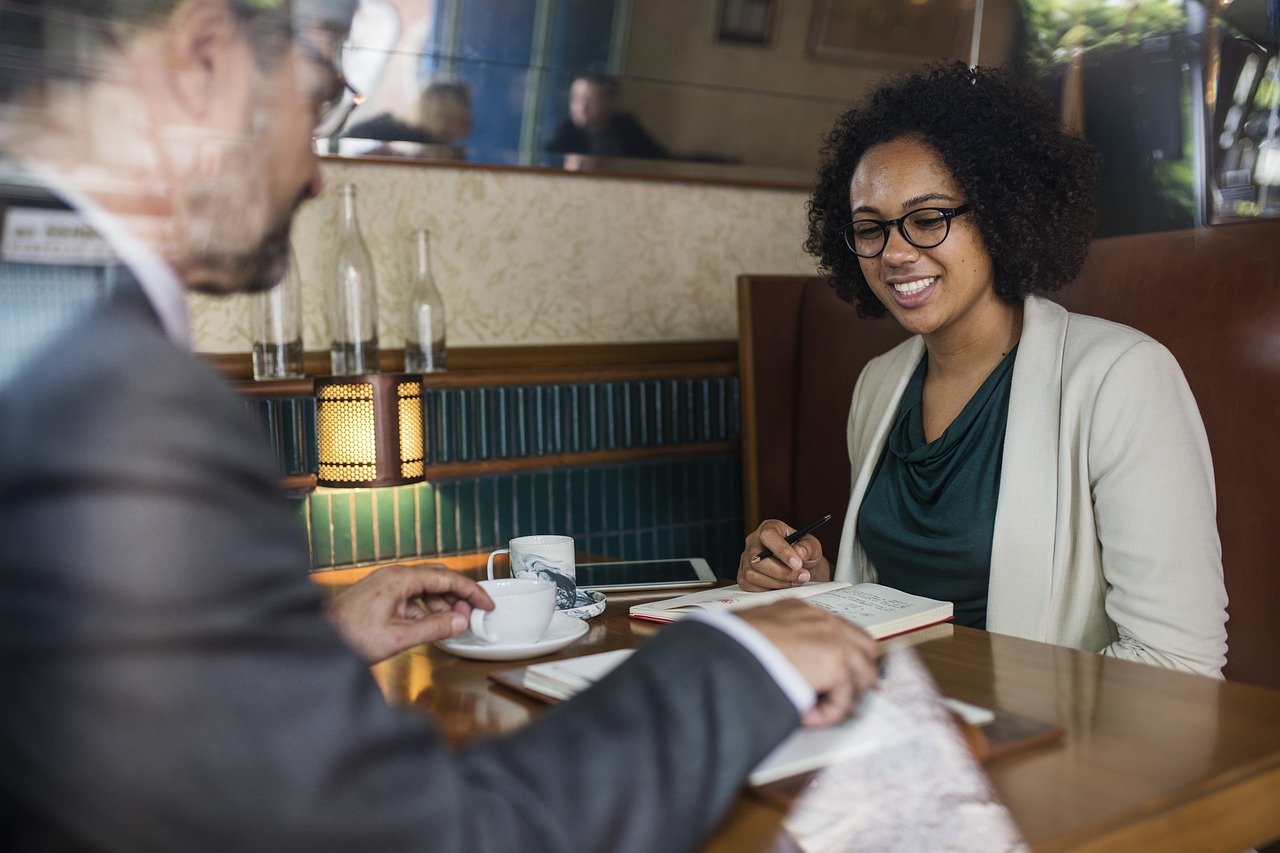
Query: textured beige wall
(697, 94)
(541, 257)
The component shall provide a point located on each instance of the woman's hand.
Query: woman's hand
(790, 565)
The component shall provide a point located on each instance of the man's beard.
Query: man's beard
(231, 256)
(262, 268)
(231, 239)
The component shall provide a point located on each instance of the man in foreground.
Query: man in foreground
(169, 680)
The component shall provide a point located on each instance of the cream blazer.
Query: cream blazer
(1105, 533)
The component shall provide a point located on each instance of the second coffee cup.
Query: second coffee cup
(544, 556)
(523, 608)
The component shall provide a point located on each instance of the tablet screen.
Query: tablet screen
(631, 574)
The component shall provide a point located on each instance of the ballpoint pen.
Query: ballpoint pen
(793, 538)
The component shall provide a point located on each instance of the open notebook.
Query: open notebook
(881, 611)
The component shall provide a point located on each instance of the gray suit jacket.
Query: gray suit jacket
(168, 681)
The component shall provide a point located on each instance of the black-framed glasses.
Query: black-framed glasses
(341, 98)
(924, 228)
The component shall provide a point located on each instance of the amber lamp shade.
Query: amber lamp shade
(369, 429)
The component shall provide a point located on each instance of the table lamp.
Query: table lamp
(369, 429)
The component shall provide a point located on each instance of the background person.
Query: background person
(596, 127)
(443, 122)
(170, 680)
(1047, 472)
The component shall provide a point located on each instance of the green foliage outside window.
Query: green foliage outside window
(1055, 28)
(1054, 31)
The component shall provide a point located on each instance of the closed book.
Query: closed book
(881, 611)
(561, 679)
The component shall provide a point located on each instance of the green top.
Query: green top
(927, 518)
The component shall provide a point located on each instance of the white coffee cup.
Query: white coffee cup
(544, 556)
(522, 610)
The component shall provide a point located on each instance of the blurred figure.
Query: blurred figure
(444, 111)
(595, 127)
(444, 120)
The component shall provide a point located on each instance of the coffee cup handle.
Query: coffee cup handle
(477, 625)
(494, 554)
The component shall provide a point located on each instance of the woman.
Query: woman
(1047, 472)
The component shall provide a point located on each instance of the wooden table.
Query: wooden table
(1151, 760)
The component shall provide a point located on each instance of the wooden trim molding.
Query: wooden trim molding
(517, 376)
(239, 366)
(569, 460)
(298, 483)
(665, 171)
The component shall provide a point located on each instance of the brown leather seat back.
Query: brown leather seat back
(1212, 296)
(800, 351)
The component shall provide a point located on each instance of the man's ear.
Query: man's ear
(204, 53)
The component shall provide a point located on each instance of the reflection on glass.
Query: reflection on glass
(277, 327)
(596, 126)
(353, 302)
(1244, 112)
(707, 108)
(1245, 177)
(425, 330)
(437, 128)
(1126, 76)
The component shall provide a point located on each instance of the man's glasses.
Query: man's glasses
(340, 99)
(924, 228)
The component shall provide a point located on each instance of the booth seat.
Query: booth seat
(1210, 294)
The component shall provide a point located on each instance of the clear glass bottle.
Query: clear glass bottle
(353, 304)
(277, 327)
(424, 334)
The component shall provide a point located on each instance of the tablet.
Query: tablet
(645, 574)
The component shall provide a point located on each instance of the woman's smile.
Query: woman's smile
(912, 291)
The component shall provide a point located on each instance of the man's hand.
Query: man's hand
(790, 565)
(398, 607)
(836, 657)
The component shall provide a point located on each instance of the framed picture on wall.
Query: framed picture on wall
(747, 21)
(903, 32)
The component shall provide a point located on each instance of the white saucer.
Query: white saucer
(589, 603)
(562, 631)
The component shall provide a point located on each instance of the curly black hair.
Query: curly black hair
(1031, 183)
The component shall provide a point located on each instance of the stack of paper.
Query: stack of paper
(903, 780)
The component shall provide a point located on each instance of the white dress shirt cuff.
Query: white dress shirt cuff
(783, 672)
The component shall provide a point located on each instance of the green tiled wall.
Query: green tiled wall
(501, 422)
(510, 422)
(684, 507)
(290, 426)
(680, 506)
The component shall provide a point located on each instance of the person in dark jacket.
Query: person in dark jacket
(596, 127)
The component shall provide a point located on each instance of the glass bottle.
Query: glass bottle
(353, 304)
(424, 335)
(277, 327)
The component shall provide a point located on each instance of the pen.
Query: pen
(794, 537)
